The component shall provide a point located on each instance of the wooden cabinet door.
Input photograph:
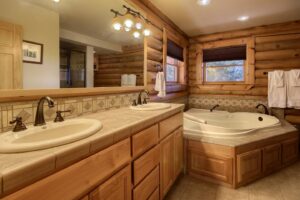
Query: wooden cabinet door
(178, 152)
(271, 158)
(248, 166)
(117, 187)
(290, 149)
(11, 70)
(166, 164)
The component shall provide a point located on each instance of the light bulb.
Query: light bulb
(117, 26)
(139, 25)
(136, 34)
(203, 2)
(56, 1)
(127, 29)
(128, 23)
(147, 32)
(243, 18)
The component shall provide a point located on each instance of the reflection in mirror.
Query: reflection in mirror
(67, 47)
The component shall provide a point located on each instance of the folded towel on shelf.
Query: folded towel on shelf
(131, 80)
(160, 84)
(124, 80)
(277, 89)
(293, 89)
(294, 76)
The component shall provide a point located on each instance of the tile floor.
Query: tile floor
(283, 185)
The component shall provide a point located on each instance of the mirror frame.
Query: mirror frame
(34, 94)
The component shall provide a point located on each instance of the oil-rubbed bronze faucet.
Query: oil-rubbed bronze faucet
(266, 111)
(214, 107)
(39, 117)
(139, 100)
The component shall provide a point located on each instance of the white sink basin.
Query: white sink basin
(151, 106)
(50, 135)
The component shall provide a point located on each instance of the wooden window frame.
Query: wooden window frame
(249, 67)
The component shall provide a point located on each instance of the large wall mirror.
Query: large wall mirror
(64, 46)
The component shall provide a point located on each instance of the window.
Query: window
(224, 71)
(172, 70)
(174, 62)
(226, 64)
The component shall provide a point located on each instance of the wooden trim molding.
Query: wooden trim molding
(25, 95)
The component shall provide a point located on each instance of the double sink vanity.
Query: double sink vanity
(133, 152)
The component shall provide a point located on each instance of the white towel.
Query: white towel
(277, 95)
(294, 76)
(131, 80)
(293, 89)
(124, 80)
(160, 84)
(279, 78)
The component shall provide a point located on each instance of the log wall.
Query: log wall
(111, 67)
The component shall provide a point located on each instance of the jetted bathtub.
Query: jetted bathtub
(225, 124)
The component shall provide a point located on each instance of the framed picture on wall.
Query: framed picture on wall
(32, 52)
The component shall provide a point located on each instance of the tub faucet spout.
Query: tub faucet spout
(266, 111)
(214, 107)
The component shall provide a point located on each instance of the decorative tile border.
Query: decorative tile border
(229, 103)
(78, 106)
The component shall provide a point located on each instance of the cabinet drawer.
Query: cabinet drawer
(170, 124)
(117, 187)
(144, 190)
(144, 140)
(154, 195)
(143, 165)
(75, 181)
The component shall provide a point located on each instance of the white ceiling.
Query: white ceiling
(221, 15)
(89, 17)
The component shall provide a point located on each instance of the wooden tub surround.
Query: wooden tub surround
(238, 161)
(141, 165)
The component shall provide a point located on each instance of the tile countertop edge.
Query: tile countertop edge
(83, 148)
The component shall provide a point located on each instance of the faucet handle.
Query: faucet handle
(59, 117)
(145, 100)
(134, 103)
(20, 126)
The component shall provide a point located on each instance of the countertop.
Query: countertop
(22, 169)
(254, 136)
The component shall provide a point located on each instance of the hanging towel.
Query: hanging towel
(277, 90)
(131, 80)
(160, 84)
(279, 78)
(294, 77)
(293, 89)
(124, 80)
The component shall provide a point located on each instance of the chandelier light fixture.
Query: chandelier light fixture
(131, 21)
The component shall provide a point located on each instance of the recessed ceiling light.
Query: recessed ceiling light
(203, 2)
(56, 1)
(243, 18)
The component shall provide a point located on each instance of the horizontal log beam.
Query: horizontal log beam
(277, 55)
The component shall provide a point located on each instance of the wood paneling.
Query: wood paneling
(178, 151)
(290, 151)
(117, 187)
(271, 158)
(11, 66)
(165, 128)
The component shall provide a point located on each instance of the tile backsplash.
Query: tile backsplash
(229, 103)
(78, 106)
